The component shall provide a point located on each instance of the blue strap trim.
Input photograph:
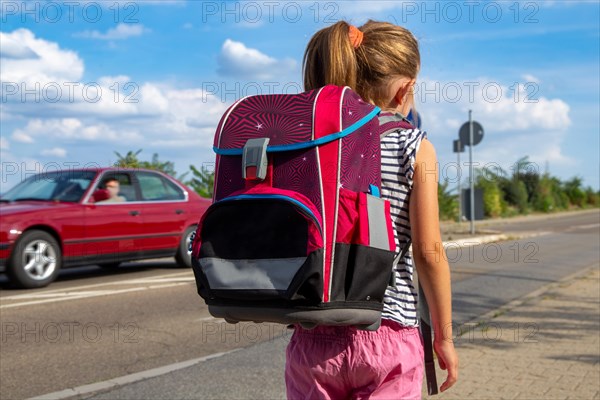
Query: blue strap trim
(374, 191)
(311, 143)
(276, 197)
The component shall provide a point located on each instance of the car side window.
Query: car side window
(157, 188)
(126, 187)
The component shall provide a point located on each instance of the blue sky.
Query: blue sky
(83, 79)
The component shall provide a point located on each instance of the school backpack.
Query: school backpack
(297, 232)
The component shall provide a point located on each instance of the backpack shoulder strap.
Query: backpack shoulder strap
(392, 122)
(426, 332)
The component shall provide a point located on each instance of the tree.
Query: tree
(202, 181)
(130, 160)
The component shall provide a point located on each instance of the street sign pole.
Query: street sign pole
(470, 134)
(459, 189)
(471, 178)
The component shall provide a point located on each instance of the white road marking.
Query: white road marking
(577, 227)
(157, 280)
(127, 379)
(85, 287)
(65, 296)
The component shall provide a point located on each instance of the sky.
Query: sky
(81, 80)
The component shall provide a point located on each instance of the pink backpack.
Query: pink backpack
(297, 232)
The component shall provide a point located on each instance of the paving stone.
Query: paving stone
(561, 360)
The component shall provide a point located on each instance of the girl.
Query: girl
(380, 61)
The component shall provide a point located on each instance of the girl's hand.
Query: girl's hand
(448, 360)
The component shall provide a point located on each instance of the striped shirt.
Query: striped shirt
(398, 153)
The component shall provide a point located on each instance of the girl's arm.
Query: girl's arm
(430, 258)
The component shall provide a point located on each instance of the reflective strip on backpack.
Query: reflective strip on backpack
(261, 274)
(378, 234)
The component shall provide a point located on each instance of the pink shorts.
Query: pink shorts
(346, 363)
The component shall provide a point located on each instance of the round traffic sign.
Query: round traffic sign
(463, 133)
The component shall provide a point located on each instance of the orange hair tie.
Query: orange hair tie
(356, 36)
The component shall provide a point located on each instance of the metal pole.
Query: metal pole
(459, 188)
(471, 177)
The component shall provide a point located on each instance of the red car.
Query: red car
(67, 218)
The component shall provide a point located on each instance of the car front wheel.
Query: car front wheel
(35, 260)
(184, 255)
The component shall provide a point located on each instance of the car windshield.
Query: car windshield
(68, 186)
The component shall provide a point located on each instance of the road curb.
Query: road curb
(477, 240)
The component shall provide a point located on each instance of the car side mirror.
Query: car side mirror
(100, 195)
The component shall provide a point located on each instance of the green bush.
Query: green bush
(493, 199)
(592, 198)
(572, 188)
(448, 204)
(515, 194)
(550, 196)
(531, 180)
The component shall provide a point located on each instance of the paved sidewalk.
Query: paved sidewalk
(545, 346)
(452, 230)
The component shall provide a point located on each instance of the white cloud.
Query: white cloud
(108, 81)
(73, 129)
(525, 115)
(505, 108)
(153, 100)
(178, 123)
(515, 124)
(116, 97)
(237, 60)
(539, 146)
(120, 32)
(20, 136)
(11, 48)
(181, 125)
(164, 117)
(109, 97)
(50, 63)
(530, 78)
(54, 152)
(4, 144)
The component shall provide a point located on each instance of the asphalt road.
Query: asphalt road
(91, 326)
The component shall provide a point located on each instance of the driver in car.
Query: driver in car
(112, 185)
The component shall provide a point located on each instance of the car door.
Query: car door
(164, 212)
(114, 230)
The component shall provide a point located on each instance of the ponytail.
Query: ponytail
(367, 58)
(330, 58)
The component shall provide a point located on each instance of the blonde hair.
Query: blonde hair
(386, 52)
